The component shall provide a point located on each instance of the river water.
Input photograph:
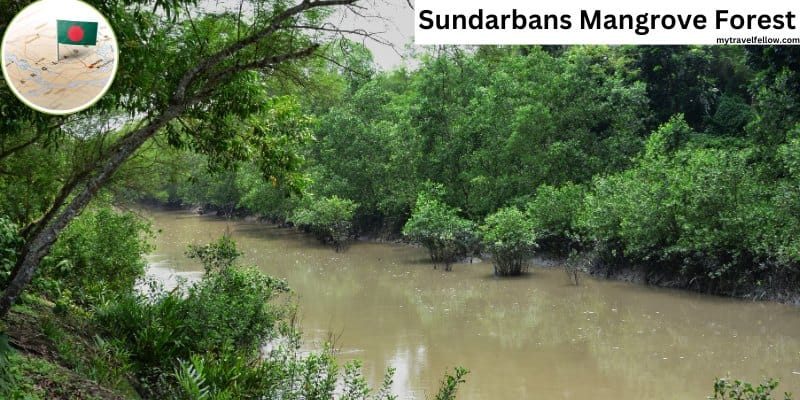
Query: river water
(532, 337)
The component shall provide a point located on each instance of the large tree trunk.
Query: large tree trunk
(39, 244)
(41, 236)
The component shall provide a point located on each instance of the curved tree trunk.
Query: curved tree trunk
(43, 234)
(40, 242)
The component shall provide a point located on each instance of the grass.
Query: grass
(59, 357)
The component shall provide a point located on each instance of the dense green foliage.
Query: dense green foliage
(489, 127)
(701, 212)
(510, 237)
(438, 227)
(676, 162)
(99, 254)
(328, 218)
(9, 245)
(553, 212)
(225, 316)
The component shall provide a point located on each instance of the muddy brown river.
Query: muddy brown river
(532, 337)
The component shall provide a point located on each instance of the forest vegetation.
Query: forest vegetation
(674, 164)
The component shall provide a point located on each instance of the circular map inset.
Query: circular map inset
(59, 56)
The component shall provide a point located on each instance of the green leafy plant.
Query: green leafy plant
(438, 227)
(510, 236)
(727, 389)
(8, 374)
(552, 212)
(328, 218)
(10, 242)
(229, 308)
(191, 380)
(100, 253)
(215, 256)
(450, 384)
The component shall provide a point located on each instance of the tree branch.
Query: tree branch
(191, 76)
(5, 153)
(269, 62)
(99, 173)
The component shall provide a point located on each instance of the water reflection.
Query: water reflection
(535, 336)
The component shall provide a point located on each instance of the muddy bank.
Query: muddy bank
(784, 295)
(642, 275)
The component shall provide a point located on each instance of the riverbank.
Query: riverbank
(59, 356)
(386, 305)
(778, 294)
(642, 275)
(203, 341)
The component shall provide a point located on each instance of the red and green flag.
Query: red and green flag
(77, 32)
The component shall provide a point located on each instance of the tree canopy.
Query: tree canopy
(203, 78)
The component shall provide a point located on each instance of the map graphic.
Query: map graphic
(52, 76)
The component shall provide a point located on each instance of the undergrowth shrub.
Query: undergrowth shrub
(330, 219)
(510, 236)
(437, 227)
(227, 312)
(10, 242)
(552, 213)
(224, 338)
(99, 253)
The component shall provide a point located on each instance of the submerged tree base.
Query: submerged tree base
(513, 269)
(785, 291)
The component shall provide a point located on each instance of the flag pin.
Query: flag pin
(75, 33)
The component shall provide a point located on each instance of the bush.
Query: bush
(732, 115)
(703, 215)
(280, 374)
(99, 253)
(438, 227)
(552, 213)
(669, 137)
(9, 246)
(208, 342)
(725, 389)
(510, 236)
(623, 211)
(215, 256)
(227, 312)
(329, 219)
